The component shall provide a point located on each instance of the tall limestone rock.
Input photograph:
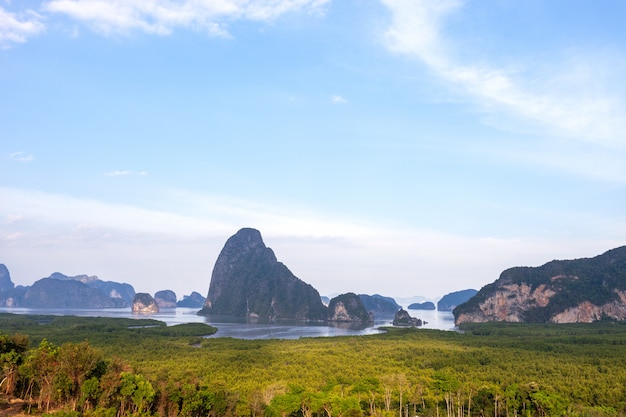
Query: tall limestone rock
(5, 279)
(248, 281)
(348, 308)
(143, 303)
(10, 295)
(165, 298)
(569, 291)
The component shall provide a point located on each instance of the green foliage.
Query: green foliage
(98, 330)
(12, 348)
(490, 369)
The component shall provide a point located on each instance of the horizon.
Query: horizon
(179, 297)
(380, 146)
(403, 300)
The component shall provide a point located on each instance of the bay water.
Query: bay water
(240, 329)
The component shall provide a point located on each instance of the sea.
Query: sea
(240, 329)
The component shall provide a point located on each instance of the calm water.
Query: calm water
(242, 330)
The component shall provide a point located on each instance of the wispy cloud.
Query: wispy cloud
(17, 28)
(163, 16)
(550, 99)
(124, 173)
(337, 99)
(21, 156)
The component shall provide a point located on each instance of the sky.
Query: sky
(395, 147)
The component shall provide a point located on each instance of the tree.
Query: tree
(77, 363)
(136, 392)
(12, 350)
(446, 383)
(285, 404)
(41, 368)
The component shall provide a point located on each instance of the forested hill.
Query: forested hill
(449, 301)
(561, 291)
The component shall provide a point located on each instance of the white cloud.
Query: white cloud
(124, 173)
(552, 98)
(163, 16)
(337, 99)
(21, 157)
(16, 28)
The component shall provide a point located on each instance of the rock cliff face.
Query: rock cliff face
(248, 281)
(5, 279)
(143, 303)
(348, 308)
(570, 291)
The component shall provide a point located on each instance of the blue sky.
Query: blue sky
(400, 147)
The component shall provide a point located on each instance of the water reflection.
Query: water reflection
(230, 327)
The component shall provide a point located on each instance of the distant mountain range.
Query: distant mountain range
(62, 291)
(81, 291)
(561, 291)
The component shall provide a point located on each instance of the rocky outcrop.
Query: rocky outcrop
(449, 301)
(348, 308)
(379, 306)
(165, 299)
(404, 319)
(570, 291)
(248, 281)
(194, 300)
(426, 305)
(143, 303)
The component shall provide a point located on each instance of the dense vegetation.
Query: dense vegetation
(116, 367)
